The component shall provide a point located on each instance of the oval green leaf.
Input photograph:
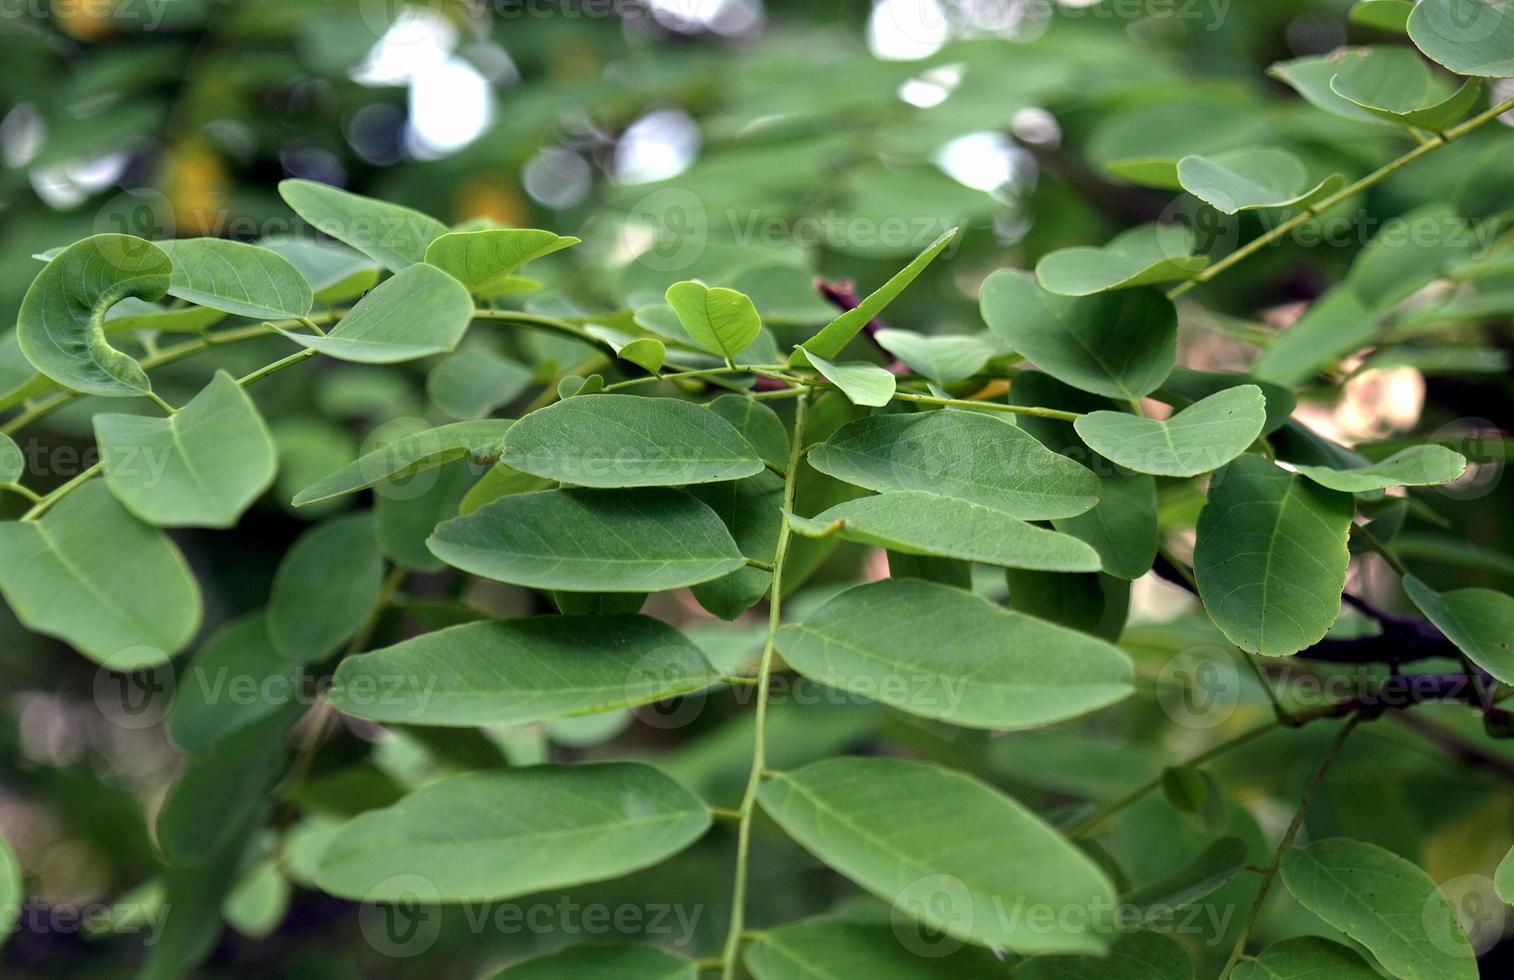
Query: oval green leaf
(557, 539)
(1383, 902)
(324, 588)
(61, 326)
(862, 383)
(480, 440)
(483, 260)
(235, 679)
(1140, 257)
(920, 523)
(1470, 37)
(1479, 621)
(417, 312)
(487, 836)
(1120, 344)
(942, 359)
(720, 320)
(203, 466)
(1202, 437)
(335, 272)
(946, 849)
(1394, 84)
(967, 455)
(1417, 466)
(1271, 556)
(824, 949)
(1251, 178)
(629, 441)
(521, 671)
(393, 236)
(1001, 669)
(236, 278)
(94, 576)
(1305, 958)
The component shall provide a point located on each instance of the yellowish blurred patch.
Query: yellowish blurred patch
(196, 183)
(493, 197)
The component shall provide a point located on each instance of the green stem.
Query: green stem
(1035, 410)
(700, 373)
(764, 677)
(1383, 550)
(158, 400)
(523, 319)
(1270, 873)
(1315, 210)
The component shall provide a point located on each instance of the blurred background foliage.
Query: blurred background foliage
(784, 139)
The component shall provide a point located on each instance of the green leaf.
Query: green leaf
(236, 278)
(1479, 621)
(61, 324)
(324, 588)
(12, 461)
(417, 312)
(1251, 178)
(94, 576)
(1216, 865)
(203, 466)
(1383, 902)
(560, 539)
(752, 511)
(1271, 556)
(942, 359)
(629, 441)
(404, 520)
(220, 789)
(646, 353)
(621, 961)
(839, 332)
(522, 671)
(1139, 257)
(1191, 385)
(135, 314)
(967, 455)
(1503, 878)
(1001, 670)
(234, 680)
(862, 383)
(720, 320)
(1202, 437)
(758, 424)
(259, 902)
(1305, 958)
(335, 272)
(918, 523)
(487, 836)
(1134, 956)
(393, 236)
(483, 260)
(824, 949)
(475, 381)
(1310, 77)
(945, 849)
(1121, 344)
(1470, 37)
(1143, 145)
(1389, 16)
(1417, 466)
(1122, 527)
(1394, 84)
(12, 891)
(410, 455)
(1087, 602)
